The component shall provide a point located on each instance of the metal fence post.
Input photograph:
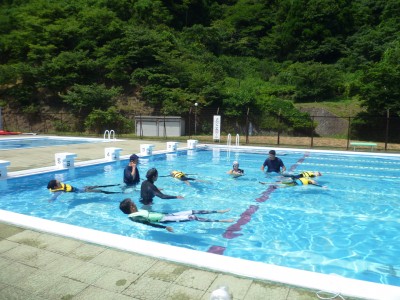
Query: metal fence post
(279, 126)
(312, 132)
(140, 127)
(348, 134)
(165, 129)
(387, 127)
(247, 126)
(190, 130)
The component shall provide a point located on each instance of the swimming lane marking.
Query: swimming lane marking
(245, 217)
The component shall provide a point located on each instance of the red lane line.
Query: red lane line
(245, 217)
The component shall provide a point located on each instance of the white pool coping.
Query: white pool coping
(324, 282)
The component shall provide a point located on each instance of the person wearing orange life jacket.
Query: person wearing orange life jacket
(59, 188)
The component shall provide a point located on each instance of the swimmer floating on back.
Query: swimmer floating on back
(151, 218)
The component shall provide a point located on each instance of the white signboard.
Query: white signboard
(217, 127)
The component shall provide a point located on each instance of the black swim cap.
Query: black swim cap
(151, 173)
(272, 152)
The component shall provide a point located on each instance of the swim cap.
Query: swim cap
(151, 173)
(133, 157)
(235, 163)
(272, 152)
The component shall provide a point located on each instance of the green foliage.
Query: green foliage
(380, 89)
(62, 126)
(312, 81)
(82, 99)
(278, 114)
(232, 55)
(100, 120)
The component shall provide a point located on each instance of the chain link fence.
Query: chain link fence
(322, 131)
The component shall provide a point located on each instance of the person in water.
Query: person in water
(182, 177)
(59, 188)
(131, 172)
(148, 190)
(235, 171)
(305, 174)
(295, 182)
(152, 218)
(273, 163)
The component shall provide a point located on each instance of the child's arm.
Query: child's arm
(148, 223)
(55, 196)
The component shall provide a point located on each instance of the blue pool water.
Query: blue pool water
(350, 229)
(22, 143)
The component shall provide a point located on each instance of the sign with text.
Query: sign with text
(217, 127)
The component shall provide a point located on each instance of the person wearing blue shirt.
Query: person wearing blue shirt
(273, 163)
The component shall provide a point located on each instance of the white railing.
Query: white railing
(109, 134)
(228, 146)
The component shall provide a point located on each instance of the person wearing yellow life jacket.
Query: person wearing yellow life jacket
(58, 188)
(304, 174)
(182, 177)
(152, 218)
(295, 182)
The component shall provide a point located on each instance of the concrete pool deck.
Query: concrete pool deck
(38, 265)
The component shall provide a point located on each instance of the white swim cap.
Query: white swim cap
(235, 163)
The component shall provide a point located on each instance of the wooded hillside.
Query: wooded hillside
(97, 58)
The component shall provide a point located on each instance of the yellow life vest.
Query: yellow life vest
(308, 174)
(177, 174)
(64, 188)
(304, 180)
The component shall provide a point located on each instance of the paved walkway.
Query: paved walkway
(37, 265)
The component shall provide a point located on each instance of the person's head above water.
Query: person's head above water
(152, 174)
(127, 206)
(272, 154)
(133, 157)
(52, 184)
(235, 164)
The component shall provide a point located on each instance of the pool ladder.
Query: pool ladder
(229, 140)
(108, 134)
(229, 144)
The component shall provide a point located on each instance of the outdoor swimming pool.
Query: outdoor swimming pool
(350, 229)
(34, 142)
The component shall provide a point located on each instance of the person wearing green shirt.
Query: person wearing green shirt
(152, 218)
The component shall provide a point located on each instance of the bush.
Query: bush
(61, 126)
(99, 120)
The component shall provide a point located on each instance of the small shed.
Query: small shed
(159, 126)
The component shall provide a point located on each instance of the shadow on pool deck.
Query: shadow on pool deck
(37, 265)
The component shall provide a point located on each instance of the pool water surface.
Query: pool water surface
(350, 229)
(23, 143)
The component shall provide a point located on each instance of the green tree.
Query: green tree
(82, 99)
(312, 81)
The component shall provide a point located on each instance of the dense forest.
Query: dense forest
(101, 58)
